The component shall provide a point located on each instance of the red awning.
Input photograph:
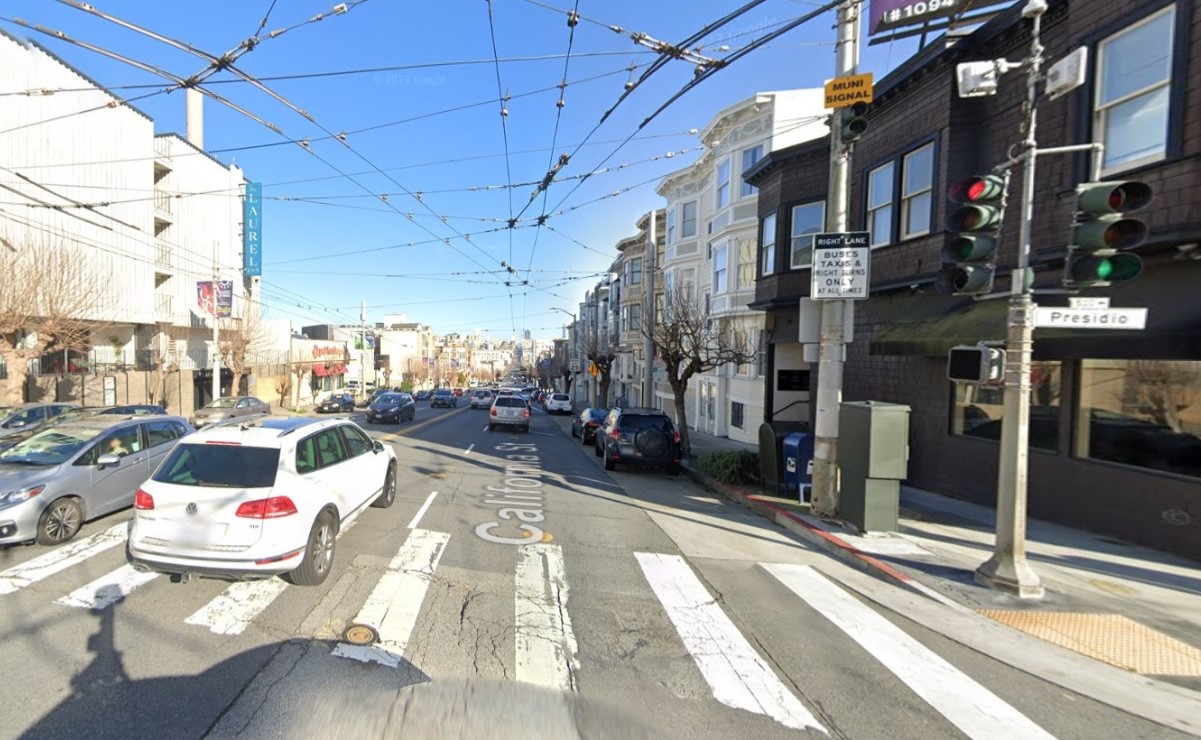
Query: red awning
(338, 368)
(319, 369)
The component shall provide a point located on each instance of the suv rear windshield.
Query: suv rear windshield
(560, 397)
(645, 421)
(510, 401)
(222, 466)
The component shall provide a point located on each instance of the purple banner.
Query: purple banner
(888, 15)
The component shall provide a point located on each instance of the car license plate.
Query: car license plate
(201, 534)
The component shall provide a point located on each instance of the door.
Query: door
(365, 468)
(113, 485)
(161, 436)
(332, 472)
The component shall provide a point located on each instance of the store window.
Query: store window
(977, 411)
(1134, 76)
(1144, 413)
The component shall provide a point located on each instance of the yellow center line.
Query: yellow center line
(409, 430)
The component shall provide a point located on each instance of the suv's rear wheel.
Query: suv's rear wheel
(388, 496)
(319, 554)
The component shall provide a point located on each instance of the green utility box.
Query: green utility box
(873, 439)
(873, 458)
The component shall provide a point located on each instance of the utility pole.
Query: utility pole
(1008, 568)
(363, 347)
(648, 316)
(216, 322)
(832, 349)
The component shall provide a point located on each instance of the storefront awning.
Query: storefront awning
(337, 368)
(319, 369)
(932, 325)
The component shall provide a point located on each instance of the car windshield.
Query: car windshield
(390, 399)
(443, 393)
(51, 447)
(220, 466)
(223, 403)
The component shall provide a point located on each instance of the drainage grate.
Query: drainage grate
(1110, 638)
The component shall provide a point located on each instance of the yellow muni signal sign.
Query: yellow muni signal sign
(842, 92)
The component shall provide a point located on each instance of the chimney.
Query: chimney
(195, 103)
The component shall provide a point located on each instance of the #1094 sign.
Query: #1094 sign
(841, 266)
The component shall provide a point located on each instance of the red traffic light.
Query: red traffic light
(1113, 197)
(977, 189)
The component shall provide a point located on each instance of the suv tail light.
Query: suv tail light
(143, 500)
(266, 508)
(675, 437)
(615, 434)
(494, 411)
(526, 413)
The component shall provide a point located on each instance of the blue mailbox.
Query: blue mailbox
(798, 464)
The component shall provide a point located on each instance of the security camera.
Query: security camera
(1034, 8)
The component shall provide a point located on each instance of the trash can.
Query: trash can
(771, 451)
(798, 464)
(873, 457)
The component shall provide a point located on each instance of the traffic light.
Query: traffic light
(854, 121)
(1101, 233)
(969, 255)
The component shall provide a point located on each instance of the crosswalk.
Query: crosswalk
(546, 652)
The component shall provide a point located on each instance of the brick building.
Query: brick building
(1115, 429)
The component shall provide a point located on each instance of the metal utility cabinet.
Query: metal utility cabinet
(873, 457)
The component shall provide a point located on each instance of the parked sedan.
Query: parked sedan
(337, 403)
(229, 407)
(392, 407)
(79, 470)
(585, 424)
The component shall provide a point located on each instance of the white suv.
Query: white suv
(258, 499)
(558, 403)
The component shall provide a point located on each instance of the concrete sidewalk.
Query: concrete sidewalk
(1124, 605)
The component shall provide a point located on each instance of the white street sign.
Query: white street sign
(841, 266)
(1090, 303)
(1090, 318)
(573, 366)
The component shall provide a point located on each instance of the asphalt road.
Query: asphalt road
(517, 590)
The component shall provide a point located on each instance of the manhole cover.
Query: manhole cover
(360, 634)
(439, 476)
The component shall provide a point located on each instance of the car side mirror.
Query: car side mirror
(378, 447)
(106, 460)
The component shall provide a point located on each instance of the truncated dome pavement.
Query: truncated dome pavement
(1110, 638)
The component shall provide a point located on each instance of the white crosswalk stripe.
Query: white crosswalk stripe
(107, 589)
(545, 642)
(59, 559)
(392, 607)
(975, 710)
(737, 675)
(233, 611)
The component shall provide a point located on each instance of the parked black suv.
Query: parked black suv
(637, 436)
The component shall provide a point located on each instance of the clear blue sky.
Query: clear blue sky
(311, 271)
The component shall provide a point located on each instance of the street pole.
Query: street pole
(216, 321)
(363, 347)
(1008, 569)
(648, 317)
(832, 348)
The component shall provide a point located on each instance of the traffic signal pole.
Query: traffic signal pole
(832, 350)
(1008, 568)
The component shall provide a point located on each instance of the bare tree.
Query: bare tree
(51, 298)
(241, 341)
(412, 368)
(301, 370)
(283, 386)
(689, 341)
(602, 359)
(163, 365)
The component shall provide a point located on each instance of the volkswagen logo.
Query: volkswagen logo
(191, 509)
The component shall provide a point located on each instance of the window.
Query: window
(767, 237)
(161, 432)
(719, 269)
(749, 158)
(723, 184)
(917, 184)
(671, 226)
(1142, 413)
(746, 263)
(635, 270)
(329, 448)
(221, 466)
(879, 204)
(635, 317)
(807, 219)
(357, 442)
(688, 219)
(1134, 75)
(977, 411)
(737, 414)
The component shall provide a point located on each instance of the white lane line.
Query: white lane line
(738, 676)
(232, 611)
(485, 429)
(107, 589)
(421, 512)
(392, 607)
(31, 571)
(470, 447)
(975, 710)
(545, 642)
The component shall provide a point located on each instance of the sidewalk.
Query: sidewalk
(1128, 606)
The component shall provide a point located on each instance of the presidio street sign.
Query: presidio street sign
(841, 266)
(1090, 313)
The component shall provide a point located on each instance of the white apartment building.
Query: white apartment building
(712, 243)
(147, 216)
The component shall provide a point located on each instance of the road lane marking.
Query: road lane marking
(738, 676)
(233, 610)
(421, 512)
(30, 572)
(107, 589)
(470, 447)
(391, 608)
(409, 430)
(975, 710)
(545, 642)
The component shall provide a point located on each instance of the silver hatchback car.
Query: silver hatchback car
(53, 482)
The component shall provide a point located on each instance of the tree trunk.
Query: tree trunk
(235, 388)
(679, 391)
(604, 391)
